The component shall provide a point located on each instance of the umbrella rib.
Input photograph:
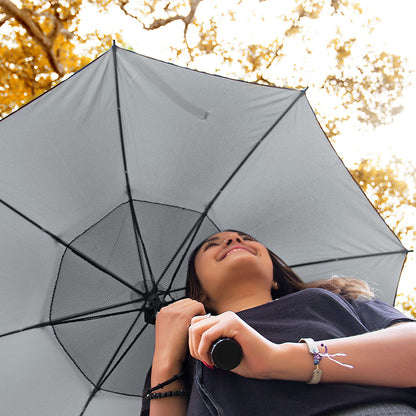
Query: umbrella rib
(68, 318)
(105, 315)
(196, 227)
(191, 234)
(265, 135)
(74, 250)
(361, 256)
(116, 241)
(100, 381)
(124, 353)
(137, 234)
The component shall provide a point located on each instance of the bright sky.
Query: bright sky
(396, 30)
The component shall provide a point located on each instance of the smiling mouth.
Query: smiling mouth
(233, 249)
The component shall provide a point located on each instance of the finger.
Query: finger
(228, 325)
(193, 309)
(186, 305)
(178, 304)
(206, 340)
(198, 318)
(195, 333)
(199, 309)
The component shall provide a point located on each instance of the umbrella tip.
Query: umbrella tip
(114, 42)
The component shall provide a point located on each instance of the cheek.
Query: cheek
(269, 267)
(206, 272)
(267, 261)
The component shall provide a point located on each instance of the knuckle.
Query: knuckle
(229, 316)
(205, 338)
(164, 311)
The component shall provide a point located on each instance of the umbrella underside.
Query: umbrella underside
(115, 310)
(139, 161)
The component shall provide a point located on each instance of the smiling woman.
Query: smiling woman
(365, 354)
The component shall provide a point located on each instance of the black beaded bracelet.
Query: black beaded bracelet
(174, 393)
(165, 383)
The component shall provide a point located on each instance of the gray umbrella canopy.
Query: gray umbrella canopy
(109, 179)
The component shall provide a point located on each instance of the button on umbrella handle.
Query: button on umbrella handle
(226, 353)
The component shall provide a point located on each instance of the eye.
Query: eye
(210, 244)
(248, 238)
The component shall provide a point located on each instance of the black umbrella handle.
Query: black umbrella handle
(226, 353)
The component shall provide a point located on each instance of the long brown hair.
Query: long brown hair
(287, 281)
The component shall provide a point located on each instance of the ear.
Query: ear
(275, 286)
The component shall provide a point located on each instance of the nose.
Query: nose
(231, 238)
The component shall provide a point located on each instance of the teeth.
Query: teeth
(234, 249)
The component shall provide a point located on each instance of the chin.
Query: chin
(246, 263)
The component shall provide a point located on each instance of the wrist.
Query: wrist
(291, 361)
(168, 368)
(162, 373)
(165, 359)
(165, 365)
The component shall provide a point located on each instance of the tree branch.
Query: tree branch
(4, 20)
(157, 23)
(25, 18)
(163, 22)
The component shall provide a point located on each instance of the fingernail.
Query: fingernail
(207, 365)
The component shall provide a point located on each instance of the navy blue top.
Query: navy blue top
(311, 313)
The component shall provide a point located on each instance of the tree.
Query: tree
(391, 187)
(40, 45)
(362, 80)
(407, 303)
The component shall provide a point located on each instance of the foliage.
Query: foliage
(407, 303)
(391, 187)
(362, 79)
(40, 45)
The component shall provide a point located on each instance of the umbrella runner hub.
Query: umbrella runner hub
(154, 303)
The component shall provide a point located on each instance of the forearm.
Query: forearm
(385, 358)
(171, 345)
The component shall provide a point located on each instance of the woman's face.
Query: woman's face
(230, 262)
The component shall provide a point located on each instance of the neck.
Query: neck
(240, 303)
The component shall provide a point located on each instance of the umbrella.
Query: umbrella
(106, 183)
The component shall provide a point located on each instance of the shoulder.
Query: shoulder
(377, 314)
(314, 302)
(315, 294)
